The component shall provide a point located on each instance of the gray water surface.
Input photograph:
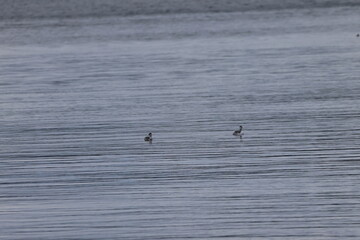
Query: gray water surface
(77, 97)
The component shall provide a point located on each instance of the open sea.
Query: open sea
(83, 82)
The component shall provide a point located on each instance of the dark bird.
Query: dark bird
(148, 138)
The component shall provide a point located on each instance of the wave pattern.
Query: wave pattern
(73, 163)
(19, 9)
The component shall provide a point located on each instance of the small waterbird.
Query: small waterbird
(238, 132)
(148, 137)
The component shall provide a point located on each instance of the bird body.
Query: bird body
(238, 132)
(148, 138)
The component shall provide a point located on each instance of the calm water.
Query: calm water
(77, 97)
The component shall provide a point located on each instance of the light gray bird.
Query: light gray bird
(238, 132)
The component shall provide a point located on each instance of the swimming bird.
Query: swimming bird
(238, 132)
(148, 138)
